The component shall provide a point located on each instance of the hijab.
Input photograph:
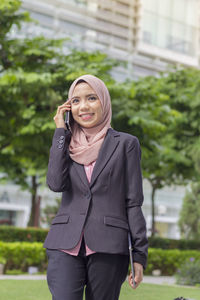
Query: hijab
(86, 142)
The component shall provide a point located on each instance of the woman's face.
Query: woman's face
(86, 106)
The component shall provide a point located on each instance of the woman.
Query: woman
(97, 169)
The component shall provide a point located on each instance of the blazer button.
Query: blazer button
(60, 146)
(60, 141)
(62, 137)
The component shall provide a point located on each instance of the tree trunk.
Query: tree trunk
(37, 212)
(153, 210)
(33, 202)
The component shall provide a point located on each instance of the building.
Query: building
(150, 35)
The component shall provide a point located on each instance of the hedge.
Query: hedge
(168, 261)
(32, 234)
(164, 243)
(18, 234)
(21, 255)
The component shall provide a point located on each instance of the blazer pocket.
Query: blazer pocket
(116, 222)
(60, 219)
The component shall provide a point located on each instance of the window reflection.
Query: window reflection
(7, 217)
(171, 24)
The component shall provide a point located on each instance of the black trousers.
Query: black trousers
(101, 275)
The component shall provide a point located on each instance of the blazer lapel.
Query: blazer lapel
(108, 147)
(81, 173)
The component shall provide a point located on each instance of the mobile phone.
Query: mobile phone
(68, 120)
(131, 257)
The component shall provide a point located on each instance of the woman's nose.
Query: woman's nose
(84, 105)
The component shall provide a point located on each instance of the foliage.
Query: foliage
(21, 255)
(32, 234)
(189, 272)
(183, 88)
(168, 261)
(17, 234)
(189, 221)
(182, 244)
(2, 260)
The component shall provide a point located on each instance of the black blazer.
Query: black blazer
(107, 207)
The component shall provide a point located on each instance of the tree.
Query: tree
(189, 221)
(183, 88)
(144, 110)
(35, 77)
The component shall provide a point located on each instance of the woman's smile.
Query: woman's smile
(86, 116)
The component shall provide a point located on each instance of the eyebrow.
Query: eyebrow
(86, 96)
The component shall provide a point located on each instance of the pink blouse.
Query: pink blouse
(75, 250)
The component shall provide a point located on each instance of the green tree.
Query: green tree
(35, 77)
(183, 88)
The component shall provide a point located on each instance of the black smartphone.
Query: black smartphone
(68, 120)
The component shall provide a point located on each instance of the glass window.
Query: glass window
(149, 28)
(171, 24)
(163, 31)
(192, 15)
(150, 5)
(179, 10)
(164, 8)
(7, 217)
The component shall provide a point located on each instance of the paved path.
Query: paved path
(169, 280)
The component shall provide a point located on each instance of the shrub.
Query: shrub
(168, 261)
(2, 260)
(164, 243)
(32, 234)
(189, 272)
(17, 234)
(21, 255)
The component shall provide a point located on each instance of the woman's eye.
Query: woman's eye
(74, 101)
(92, 98)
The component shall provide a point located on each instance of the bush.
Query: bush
(21, 255)
(189, 272)
(164, 243)
(32, 234)
(2, 260)
(168, 261)
(17, 234)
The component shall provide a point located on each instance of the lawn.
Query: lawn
(38, 290)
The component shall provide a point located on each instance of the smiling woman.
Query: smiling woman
(98, 171)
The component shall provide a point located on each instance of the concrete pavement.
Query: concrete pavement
(168, 280)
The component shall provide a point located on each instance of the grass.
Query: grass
(38, 290)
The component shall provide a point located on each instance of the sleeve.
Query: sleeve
(134, 201)
(58, 167)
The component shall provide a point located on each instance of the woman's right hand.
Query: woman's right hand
(59, 117)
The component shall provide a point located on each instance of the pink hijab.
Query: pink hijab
(86, 142)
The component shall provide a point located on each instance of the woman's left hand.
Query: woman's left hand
(138, 268)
